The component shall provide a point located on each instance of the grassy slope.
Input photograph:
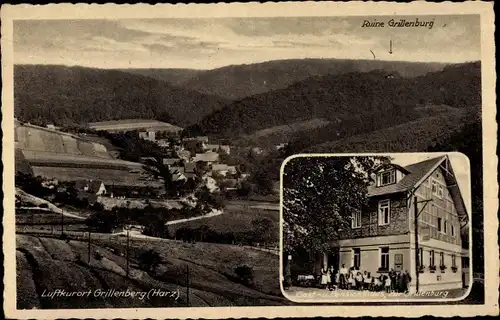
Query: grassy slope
(239, 220)
(53, 263)
(275, 135)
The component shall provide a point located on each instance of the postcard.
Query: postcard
(233, 160)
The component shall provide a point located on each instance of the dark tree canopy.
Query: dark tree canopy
(319, 196)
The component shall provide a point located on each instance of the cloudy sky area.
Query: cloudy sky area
(210, 43)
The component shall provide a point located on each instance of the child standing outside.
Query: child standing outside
(387, 284)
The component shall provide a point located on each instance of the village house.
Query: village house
(218, 148)
(183, 154)
(225, 148)
(189, 170)
(172, 161)
(203, 139)
(147, 135)
(93, 186)
(178, 173)
(208, 157)
(223, 169)
(90, 190)
(383, 236)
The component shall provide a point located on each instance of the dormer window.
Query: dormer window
(387, 177)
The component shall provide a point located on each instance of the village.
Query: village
(180, 179)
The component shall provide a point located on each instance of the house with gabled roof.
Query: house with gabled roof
(209, 157)
(172, 161)
(385, 235)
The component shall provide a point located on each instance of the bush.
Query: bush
(149, 260)
(244, 274)
(97, 206)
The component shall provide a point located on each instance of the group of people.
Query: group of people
(352, 279)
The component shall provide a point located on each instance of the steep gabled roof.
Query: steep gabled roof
(94, 186)
(391, 165)
(207, 157)
(416, 172)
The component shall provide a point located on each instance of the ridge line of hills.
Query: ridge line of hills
(77, 95)
(344, 97)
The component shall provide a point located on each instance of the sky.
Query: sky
(459, 163)
(203, 43)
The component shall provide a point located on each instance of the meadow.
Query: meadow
(238, 217)
(47, 263)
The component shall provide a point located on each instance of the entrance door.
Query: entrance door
(333, 258)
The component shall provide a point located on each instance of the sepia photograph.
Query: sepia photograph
(289, 155)
(376, 227)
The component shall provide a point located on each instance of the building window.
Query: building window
(356, 219)
(434, 186)
(465, 262)
(431, 258)
(452, 230)
(387, 177)
(420, 257)
(384, 258)
(356, 253)
(440, 224)
(441, 259)
(383, 212)
(453, 261)
(440, 193)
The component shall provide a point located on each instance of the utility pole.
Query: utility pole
(62, 222)
(417, 254)
(128, 243)
(89, 249)
(417, 260)
(187, 285)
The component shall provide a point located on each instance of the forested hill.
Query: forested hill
(76, 95)
(240, 81)
(173, 76)
(338, 98)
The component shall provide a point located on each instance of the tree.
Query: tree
(320, 194)
(263, 229)
(149, 260)
(244, 274)
(103, 221)
(161, 170)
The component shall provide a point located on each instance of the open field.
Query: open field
(280, 134)
(107, 176)
(237, 217)
(30, 137)
(59, 155)
(42, 158)
(49, 264)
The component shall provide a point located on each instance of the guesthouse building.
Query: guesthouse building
(385, 235)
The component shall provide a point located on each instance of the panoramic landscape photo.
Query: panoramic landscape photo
(148, 151)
